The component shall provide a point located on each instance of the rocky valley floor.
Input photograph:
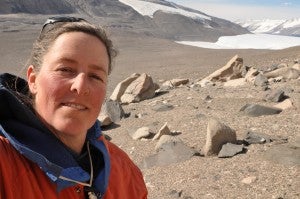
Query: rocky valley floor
(269, 170)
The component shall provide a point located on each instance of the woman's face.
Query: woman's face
(70, 87)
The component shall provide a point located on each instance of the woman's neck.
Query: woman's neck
(75, 143)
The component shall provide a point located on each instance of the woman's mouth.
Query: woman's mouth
(75, 106)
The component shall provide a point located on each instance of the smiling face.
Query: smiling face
(70, 86)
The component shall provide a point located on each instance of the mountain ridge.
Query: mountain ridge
(288, 27)
(121, 17)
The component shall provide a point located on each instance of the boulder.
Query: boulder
(111, 112)
(250, 75)
(286, 73)
(121, 87)
(164, 139)
(205, 82)
(142, 132)
(286, 104)
(296, 66)
(260, 80)
(275, 96)
(235, 82)
(255, 110)
(217, 135)
(140, 89)
(232, 70)
(229, 150)
(170, 150)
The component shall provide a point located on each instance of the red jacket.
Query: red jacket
(33, 160)
(20, 178)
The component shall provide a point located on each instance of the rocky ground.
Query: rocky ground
(269, 170)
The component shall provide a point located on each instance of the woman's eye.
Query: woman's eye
(97, 77)
(66, 71)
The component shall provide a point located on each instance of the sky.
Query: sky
(245, 9)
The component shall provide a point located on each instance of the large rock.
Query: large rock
(140, 89)
(296, 66)
(228, 150)
(286, 104)
(122, 86)
(142, 132)
(111, 112)
(217, 135)
(165, 140)
(235, 82)
(170, 150)
(276, 96)
(260, 80)
(232, 70)
(286, 73)
(251, 74)
(255, 110)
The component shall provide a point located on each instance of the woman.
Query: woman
(51, 144)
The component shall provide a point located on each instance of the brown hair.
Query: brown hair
(51, 32)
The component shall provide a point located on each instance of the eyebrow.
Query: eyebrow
(92, 66)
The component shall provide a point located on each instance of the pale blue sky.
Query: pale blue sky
(246, 9)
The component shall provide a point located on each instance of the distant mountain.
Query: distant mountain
(158, 18)
(182, 23)
(289, 27)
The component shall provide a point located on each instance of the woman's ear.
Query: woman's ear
(31, 78)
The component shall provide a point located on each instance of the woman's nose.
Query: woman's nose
(80, 85)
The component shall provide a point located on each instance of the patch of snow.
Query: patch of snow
(248, 41)
(260, 26)
(148, 9)
(269, 26)
(291, 23)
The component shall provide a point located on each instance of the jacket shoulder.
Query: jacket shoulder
(6, 150)
(126, 179)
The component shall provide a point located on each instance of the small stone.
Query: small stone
(255, 138)
(230, 150)
(164, 130)
(175, 82)
(162, 107)
(260, 80)
(142, 132)
(249, 180)
(276, 96)
(175, 194)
